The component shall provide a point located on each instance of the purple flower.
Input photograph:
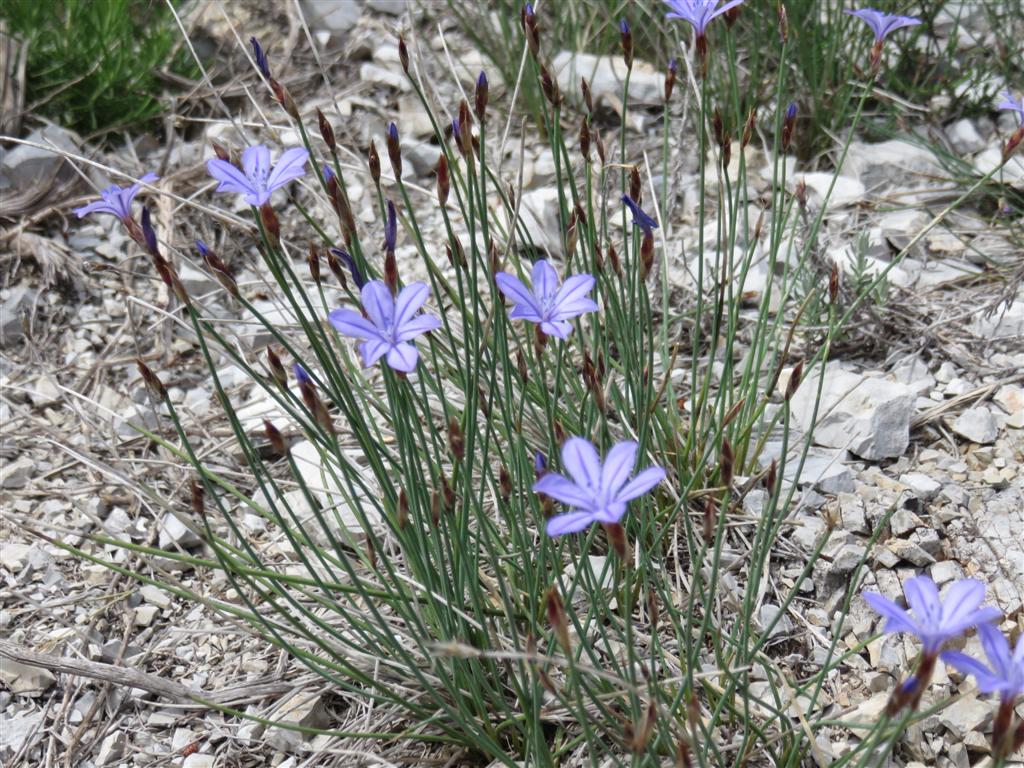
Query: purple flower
(640, 217)
(1006, 675)
(259, 180)
(346, 257)
(203, 248)
(148, 233)
(300, 374)
(624, 26)
(699, 13)
(597, 493)
(935, 620)
(547, 304)
(390, 228)
(540, 463)
(1011, 103)
(883, 23)
(116, 200)
(393, 132)
(261, 57)
(389, 325)
(328, 173)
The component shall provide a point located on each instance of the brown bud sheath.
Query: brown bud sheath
(394, 150)
(653, 611)
(636, 190)
(444, 180)
(456, 440)
(626, 41)
(276, 368)
(550, 87)
(313, 259)
(482, 96)
(772, 477)
(557, 618)
(448, 493)
(336, 269)
(539, 341)
(275, 437)
(152, 380)
(326, 131)
(646, 255)
(643, 730)
(391, 272)
(176, 285)
(460, 254)
(1013, 142)
(528, 20)
(617, 540)
(588, 97)
(504, 484)
(373, 160)
(403, 509)
(481, 401)
(524, 373)
(559, 431)
(271, 225)
(783, 23)
(613, 258)
(220, 152)
(794, 380)
(403, 54)
(718, 127)
(731, 16)
(494, 258)
(833, 283)
(585, 141)
(710, 517)
(435, 508)
(599, 143)
(727, 458)
(726, 148)
(284, 98)
(748, 127)
(670, 82)
(683, 759)
(465, 130)
(197, 495)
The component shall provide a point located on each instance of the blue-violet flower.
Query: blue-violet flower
(935, 620)
(640, 217)
(1006, 674)
(546, 303)
(883, 23)
(598, 492)
(116, 200)
(1017, 105)
(258, 180)
(699, 13)
(389, 325)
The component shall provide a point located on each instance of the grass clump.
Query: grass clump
(92, 64)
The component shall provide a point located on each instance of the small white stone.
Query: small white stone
(111, 748)
(977, 425)
(155, 596)
(145, 614)
(924, 487)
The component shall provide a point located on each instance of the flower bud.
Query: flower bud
(374, 162)
(585, 141)
(557, 618)
(788, 124)
(271, 225)
(613, 259)
(403, 54)
(708, 520)
(550, 88)
(528, 20)
(403, 509)
(447, 493)
(794, 380)
(456, 440)
(390, 227)
(670, 78)
(626, 40)
(617, 540)
(220, 152)
(275, 437)
(443, 180)
(276, 368)
(599, 143)
(326, 131)
(148, 233)
(726, 459)
(731, 16)
(783, 23)
(284, 98)
(771, 478)
(196, 497)
(748, 128)
(151, 380)
(335, 265)
(643, 730)
(465, 129)
(504, 483)
(521, 369)
(588, 97)
(394, 151)
(646, 255)
(261, 58)
(635, 188)
(833, 283)
(313, 259)
(482, 94)
(718, 127)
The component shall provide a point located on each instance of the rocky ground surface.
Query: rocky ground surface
(920, 430)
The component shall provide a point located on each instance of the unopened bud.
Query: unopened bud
(276, 368)
(148, 233)
(709, 518)
(794, 380)
(152, 381)
(336, 269)
(731, 16)
(524, 373)
(271, 225)
(771, 478)
(833, 283)
(783, 24)
(585, 141)
(726, 459)
(528, 20)
(403, 54)
(550, 88)
(588, 97)
(456, 440)
(617, 540)
(220, 152)
(275, 437)
(326, 131)
(448, 493)
(635, 188)
(284, 98)
(643, 730)
(626, 40)
(197, 498)
(373, 160)
(394, 151)
(403, 510)
(443, 180)
(599, 144)
(788, 125)
(313, 259)
(646, 255)
(670, 79)
(482, 94)
(504, 483)
(748, 127)
(557, 618)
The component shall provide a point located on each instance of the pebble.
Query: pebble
(174, 533)
(112, 748)
(16, 474)
(301, 708)
(977, 425)
(23, 679)
(965, 715)
(945, 571)
(924, 487)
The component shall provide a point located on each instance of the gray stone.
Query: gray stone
(332, 16)
(924, 487)
(606, 75)
(174, 533)
(841, 190)
(945, 572)
(301, 708)
(23, 679)
(14, 308)
(870, 417)
(965, 715)
(909, 551)
(847, 559)
(16, 730)
(112, 748)
(768, 614)
(15, 474)
(977, 425)
(965, 137)
(199, 760)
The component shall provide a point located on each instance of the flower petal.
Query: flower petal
(373, 350)
(96, 206)
(580, 459)
(640, 484)
(290, 166)
(378, 303)
(409, 300)
(403, 357)
(513, 288)
(961, 599)
(618, 466)
(923, 598)
(231, 179)
(574, 309)
(570, 522)
(612, 513)
(417, 327)
(988, 681)
(997, 648)
(560, 329)
(524, 312)
(563, 490)
(545, 280)
(575, 287)
(897, 619)
(351, 323)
